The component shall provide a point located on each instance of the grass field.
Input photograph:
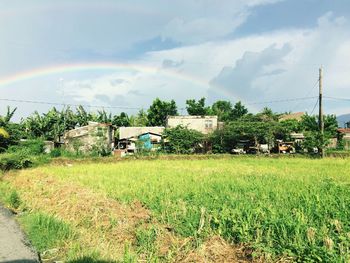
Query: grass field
(229, 209)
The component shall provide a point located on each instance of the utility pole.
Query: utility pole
(320, 108)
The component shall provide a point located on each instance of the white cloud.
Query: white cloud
(291, 74)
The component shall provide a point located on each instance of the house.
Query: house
(292, 116)
(92, 136)
(149, 138)
(344, 134)
(129, 132)
(203, 124)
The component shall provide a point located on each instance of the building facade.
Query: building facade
(92, 136)
(203, 124)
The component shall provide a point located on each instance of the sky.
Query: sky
(121, 55)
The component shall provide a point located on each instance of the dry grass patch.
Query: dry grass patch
(103, 224)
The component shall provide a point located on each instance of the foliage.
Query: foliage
(28, 147)
(247, 128)
(197, 108)
(223, 109)
(4, 134)
(181, 140)
(140, 119)
(14, 200)
(315, 140)
(159, 111)
(268, 115)
(10, 133)
(121, 120)
(45, 231)
(238, 111)
(9, 161)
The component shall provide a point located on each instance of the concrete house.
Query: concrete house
(88, 137)
(203, 124)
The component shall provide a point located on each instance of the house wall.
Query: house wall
(128, 132)
(203, 124)
(85, 138)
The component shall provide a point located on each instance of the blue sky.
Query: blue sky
(249, 50)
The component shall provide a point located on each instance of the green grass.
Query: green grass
(45, 232)
(281, 207)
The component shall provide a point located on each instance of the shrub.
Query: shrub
(14, 199)
(181, 140)
(57, 152)
(29, 147)
(9, 161)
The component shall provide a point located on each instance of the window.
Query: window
(208, 124)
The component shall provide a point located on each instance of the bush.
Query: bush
(29, 147)
(56, 153)
(9, 161)
(181, 140)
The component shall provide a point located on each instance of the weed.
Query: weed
(46, 232)
(14, 199)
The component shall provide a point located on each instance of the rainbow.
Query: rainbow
(111, 67)
(80, 67)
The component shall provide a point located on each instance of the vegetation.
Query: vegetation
(181, 140)
(44, 231)
(287, 208)
(159, 111)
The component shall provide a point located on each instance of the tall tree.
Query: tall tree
(239, 110)
(140, 119)
(223, 109)
(159, 111)
(268, 115)
(121, 120)
(197, 107)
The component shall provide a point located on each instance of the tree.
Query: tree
(139, 120)
(10, 133)
(121, 120)
(103, 116)
(238, 111)
(5, 120)
(223, 109)
(159, 111)
(197, 108)
(181, 140)
(268, 115)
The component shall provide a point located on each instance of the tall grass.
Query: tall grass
(295, 208)
(45, 231)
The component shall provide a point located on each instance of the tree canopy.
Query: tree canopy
(159, 111)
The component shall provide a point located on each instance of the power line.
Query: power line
(135, 108)
(281, 101)
(67, 104)
(335, 98)
(306, 95)
(313, 109)
(74, 105)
